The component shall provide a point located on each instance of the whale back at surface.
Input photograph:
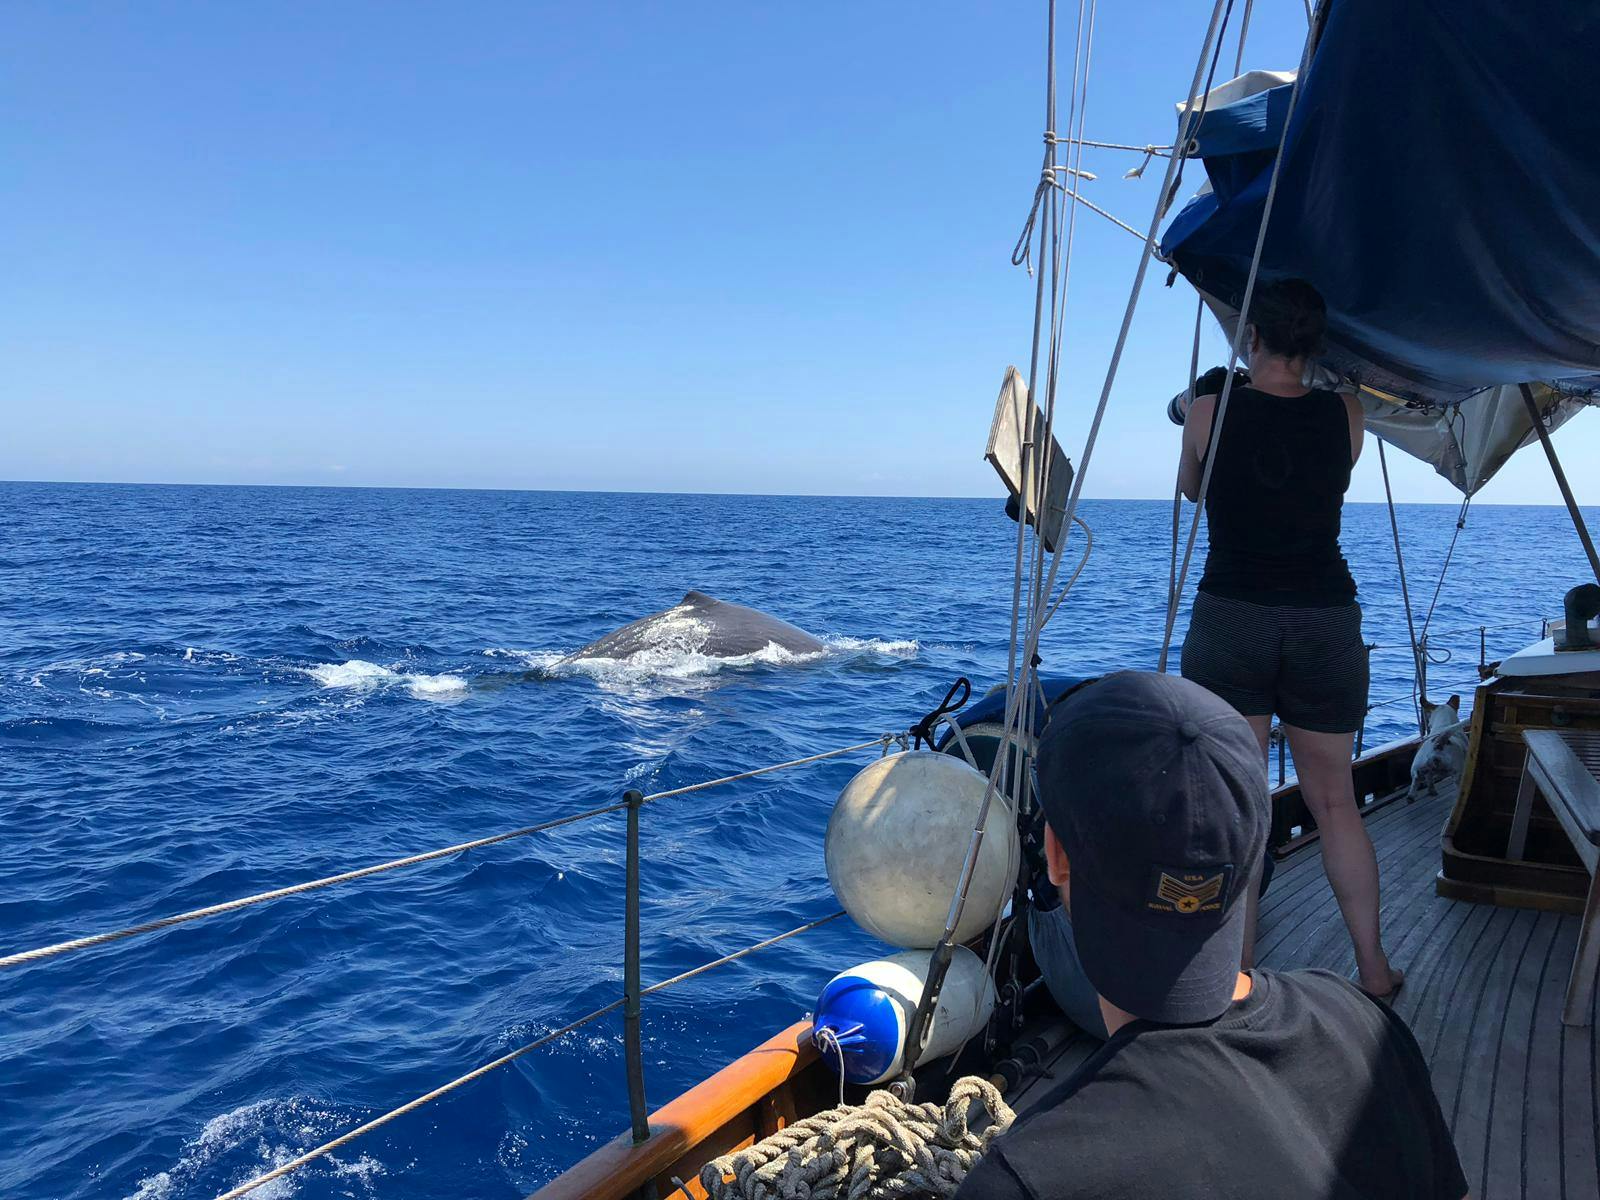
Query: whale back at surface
(702, 624)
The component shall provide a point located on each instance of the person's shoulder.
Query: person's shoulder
(1333, 997)
(1321, 985)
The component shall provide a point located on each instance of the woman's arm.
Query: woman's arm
(1196, 439)
(1358, 426)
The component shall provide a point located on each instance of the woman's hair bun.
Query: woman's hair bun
(1290, 316)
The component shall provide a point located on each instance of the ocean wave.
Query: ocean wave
(361, 675)
(897, 647)
(679, 656)
(239, 1145)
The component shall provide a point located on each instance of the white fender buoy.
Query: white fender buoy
(864, 1014)
(897, 839)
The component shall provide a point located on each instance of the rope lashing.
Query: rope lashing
(884, 1149)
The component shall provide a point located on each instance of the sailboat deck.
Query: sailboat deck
(1483, 995)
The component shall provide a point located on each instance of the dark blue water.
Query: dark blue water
(206, 692)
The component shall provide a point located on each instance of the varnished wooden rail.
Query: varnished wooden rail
(729, 1110)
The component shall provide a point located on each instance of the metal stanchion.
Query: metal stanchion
(630, 976)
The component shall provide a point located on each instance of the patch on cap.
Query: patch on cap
(1188, 891)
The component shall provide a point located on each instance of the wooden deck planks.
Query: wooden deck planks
(1483, 995)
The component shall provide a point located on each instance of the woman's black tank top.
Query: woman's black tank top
(1272, 510)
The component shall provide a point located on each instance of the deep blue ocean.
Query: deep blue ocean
(211, 691)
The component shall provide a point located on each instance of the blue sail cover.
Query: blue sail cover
(1440, 186)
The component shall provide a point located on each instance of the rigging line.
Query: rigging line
(1077, 115)
(1210, 48)
(212, 910)
(1095, 208)
(920, 1026)
(346, 1138)
(1192, 119)
(1151, 149)
(1088, 545)
(1405, 592)
(1041, 448)
(1211, 36)
(1244, 32)
(1217, 424)
(1461, 523)
(1579, 526)
(1177, 488)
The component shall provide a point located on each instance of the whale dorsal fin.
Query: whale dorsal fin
(697, 598)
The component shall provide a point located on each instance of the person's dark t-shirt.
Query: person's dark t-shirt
(1306, 1088)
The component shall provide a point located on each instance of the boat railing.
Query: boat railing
(632, 803)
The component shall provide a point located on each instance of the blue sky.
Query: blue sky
(685, 246)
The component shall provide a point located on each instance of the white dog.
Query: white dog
(1443, 753)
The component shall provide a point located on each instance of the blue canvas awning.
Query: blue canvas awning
(1440, 186)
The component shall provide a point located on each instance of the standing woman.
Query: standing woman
(1276, 627)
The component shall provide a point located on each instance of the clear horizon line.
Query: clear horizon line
(403, 487)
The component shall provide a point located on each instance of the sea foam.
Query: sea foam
(359, 674)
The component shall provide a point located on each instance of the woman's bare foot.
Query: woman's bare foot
(1396, 979)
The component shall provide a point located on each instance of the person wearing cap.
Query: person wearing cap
(1216, 1082)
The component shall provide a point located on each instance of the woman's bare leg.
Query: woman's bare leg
(1262, 726)
(1322, 761)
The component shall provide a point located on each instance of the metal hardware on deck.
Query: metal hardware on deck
(1561, 480)
(630, 976)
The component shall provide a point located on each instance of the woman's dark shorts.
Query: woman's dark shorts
(1307, 665)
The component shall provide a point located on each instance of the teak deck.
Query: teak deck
(1484, 989)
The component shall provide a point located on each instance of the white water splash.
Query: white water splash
(253, 1138)
(361, 675)
(675, 650)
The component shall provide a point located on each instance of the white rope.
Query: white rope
(1095, 208)
(884, 1149)
(344, 1139)
(1088, 545)
(312, 885)
(1238, 337)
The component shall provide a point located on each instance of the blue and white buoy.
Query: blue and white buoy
(863, 1014)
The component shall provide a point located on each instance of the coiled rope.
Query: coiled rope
(881, 1150)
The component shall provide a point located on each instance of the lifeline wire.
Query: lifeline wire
(101, 939)
(346, 1138)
